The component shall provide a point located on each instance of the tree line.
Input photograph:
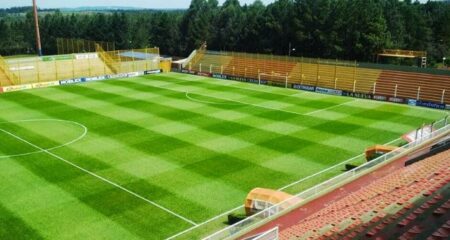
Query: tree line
(341, 29)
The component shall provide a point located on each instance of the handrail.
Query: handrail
(107, 59)
(264, 216)
(12, 78)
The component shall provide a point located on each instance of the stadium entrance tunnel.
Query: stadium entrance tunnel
(259, 199)
(26, 137)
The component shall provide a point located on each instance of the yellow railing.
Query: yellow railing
(8, 76)
(62, 67)
(107, 58)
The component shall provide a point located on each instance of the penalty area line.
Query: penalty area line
(101, 178)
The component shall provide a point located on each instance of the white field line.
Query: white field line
(100, 177)
(207, 102)
(280, 189)
(331, 107)
(266, 107)
(211, 80)
(85, 130)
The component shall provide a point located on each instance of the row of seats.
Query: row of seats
(369, 211)
(335, 75)
(412, 85)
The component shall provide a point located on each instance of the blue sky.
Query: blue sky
(127, 3)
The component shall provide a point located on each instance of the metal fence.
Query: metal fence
(17, 71)
(277, 210)
(272, 234)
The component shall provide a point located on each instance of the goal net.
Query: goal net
(278, 78)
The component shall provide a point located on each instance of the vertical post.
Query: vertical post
(443, 96)
(417, 134)
(335, 83)
(286, 85)
(38, 70)
(318, 70)
(190, 66)
(134, 62)
(421, 132)
(210, 68)
(418, 93)
(259, 78)
(56, 69)
(146, 58)
(221, 69)
(245, 73)
(200, 67)
(233, 70)
(374, 88)
(354, 85)
(20, 75)
(73, 67)
(395, 90)
(89, 62)
(36, 25)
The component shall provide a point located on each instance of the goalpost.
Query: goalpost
(277, 77)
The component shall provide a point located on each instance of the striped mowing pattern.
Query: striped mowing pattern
(193, 146)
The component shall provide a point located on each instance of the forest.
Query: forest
(337, 29)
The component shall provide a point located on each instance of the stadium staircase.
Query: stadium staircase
(204, 62)
(7, 78)
(112, 61)
(409, 203)
(249, 67)
(408, 84)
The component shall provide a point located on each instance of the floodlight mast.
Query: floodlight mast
(36, 24)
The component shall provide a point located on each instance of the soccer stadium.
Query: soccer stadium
(245, 120)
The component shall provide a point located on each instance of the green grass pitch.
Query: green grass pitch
(149, 157)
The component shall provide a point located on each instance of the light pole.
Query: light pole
(291, 49)
(36, 24)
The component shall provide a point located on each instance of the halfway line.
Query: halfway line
(99, 177)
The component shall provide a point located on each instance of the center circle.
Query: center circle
(76, 139)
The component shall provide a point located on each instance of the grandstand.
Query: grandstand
(29, 70)
(383, 84)
(406, 197)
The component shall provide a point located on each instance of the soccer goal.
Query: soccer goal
(275, 77)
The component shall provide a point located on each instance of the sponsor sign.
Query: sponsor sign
(430, 104)
(17, 88)
(304, 87)
(21, 68)
(152, 72)
(396, 100)
(86, 56)
(412, 102)
(99, 78)
(45, 84)
(72, 81)
(380, 98)
(447, 106)
(185, 71)
(57, 57)
(132, 74)
(204, 74)
(329, 91)
(120, 75)
(219, 76)
(357, 95)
